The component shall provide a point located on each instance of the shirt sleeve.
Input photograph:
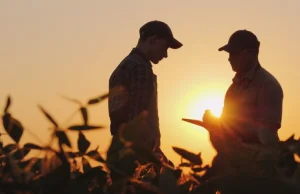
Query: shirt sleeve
(269, 112)
(140, 89)
(269, 108)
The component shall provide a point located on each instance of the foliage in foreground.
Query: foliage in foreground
(247, 169)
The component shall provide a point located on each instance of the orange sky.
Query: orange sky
(71, 48)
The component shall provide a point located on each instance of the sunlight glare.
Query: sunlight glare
(198, 103)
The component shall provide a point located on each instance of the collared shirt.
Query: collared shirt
(252, 102)
(130, 89)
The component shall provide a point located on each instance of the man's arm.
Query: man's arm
(269, 112)
(139, 93)
(140, 89)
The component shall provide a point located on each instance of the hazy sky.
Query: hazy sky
(49, 48)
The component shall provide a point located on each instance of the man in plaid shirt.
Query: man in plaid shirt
(252, 112)
(133, 91)
(253, 102)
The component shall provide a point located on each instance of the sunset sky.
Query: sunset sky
(60, 47)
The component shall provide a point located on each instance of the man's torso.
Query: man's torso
(133, 79)
(243, 102)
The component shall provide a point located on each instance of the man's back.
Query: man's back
(131, 87)
(133, 92)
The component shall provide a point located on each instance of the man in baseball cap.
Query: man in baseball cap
(253, 103)
(241, 40)
(155, 38)
(133, 92)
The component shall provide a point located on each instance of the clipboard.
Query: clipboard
(195, 122)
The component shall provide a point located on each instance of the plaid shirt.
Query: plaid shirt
(130, 89)
(253, 106)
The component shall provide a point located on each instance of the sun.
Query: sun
(213, 103)
(199, 102)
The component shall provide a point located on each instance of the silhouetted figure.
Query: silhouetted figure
(253, 102)
(252, 111)
(133, 90)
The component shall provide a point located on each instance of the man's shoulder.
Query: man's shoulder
(133, 61)
(269, 79)
(129, 65)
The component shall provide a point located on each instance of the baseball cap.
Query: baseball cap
(160, 29)
(241, 39)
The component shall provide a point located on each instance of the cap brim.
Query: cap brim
(175, 44)
(224, 48)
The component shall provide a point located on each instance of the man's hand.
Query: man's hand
(213, 126)
(210, 121)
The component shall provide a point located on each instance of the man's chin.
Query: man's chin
(233, 68)
(155, 62)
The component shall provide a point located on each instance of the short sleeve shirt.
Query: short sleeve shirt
(253, 101)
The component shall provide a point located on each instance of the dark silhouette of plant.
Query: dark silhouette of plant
(11, 125)
(246, 169)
